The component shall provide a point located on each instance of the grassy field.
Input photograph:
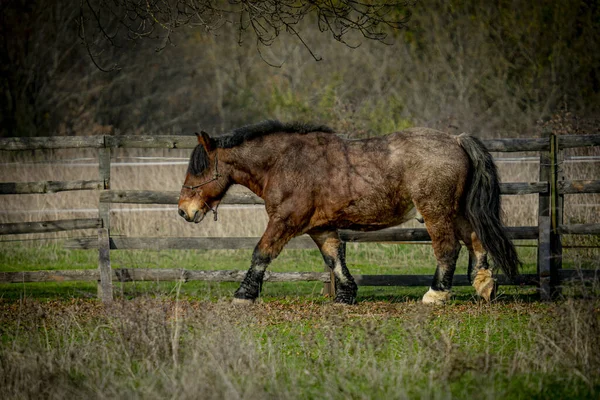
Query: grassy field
(362, 259)
(295, 347)
(175, 340)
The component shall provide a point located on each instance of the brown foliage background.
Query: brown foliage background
(490, 68)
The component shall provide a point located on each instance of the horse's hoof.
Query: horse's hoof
(485, 285)
(242, 302)
(436, 297)
(345, 300)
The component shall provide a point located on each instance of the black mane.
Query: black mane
(199, 160)
(249, 132)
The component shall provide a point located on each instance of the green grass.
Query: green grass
(362, 259)
(185, 340)
(296, 348)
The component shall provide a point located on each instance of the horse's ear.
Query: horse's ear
(205, 140)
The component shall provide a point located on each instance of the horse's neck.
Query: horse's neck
(247, 166)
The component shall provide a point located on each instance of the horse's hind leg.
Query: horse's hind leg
(446, 248)
(480, 274)
(270, 245)
(332, 251)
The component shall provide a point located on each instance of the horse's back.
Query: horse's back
(426, 144)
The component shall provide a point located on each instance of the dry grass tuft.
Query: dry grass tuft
(157, 348)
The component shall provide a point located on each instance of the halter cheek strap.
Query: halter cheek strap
(214, 178)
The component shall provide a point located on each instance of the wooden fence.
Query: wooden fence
(551, 189)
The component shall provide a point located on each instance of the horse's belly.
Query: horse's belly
(372, 218)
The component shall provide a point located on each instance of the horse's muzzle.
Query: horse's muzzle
(197, 217)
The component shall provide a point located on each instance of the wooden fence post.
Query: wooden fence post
(105, 283)
(105, 290)
(556, 215)
(329, 287)
(544, 257)
(544, 223)
(104, 171)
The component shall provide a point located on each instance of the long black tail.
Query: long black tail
(482, 206)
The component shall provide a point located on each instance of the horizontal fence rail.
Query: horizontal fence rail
(391, 235)
(49, 186)
(52, 142)
(49, 226)
(167, 275)
(190, 141)
(574, 141)
(172, 197)
(578, 187)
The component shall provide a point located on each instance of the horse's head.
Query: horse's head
(204, 186)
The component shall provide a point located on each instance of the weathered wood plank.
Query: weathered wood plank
(579, 186)
(544, 220)
(386, 235)
(139, 274)
(556, 216)
(105, 287)
(190, 141)
(139, 197)
(579, 229)
(172, 197)
(49, 186)
(156, 197)
(524, 188)
(49, 226)
(85, 275)
(425, 280)
(186, 243)
(544, 264)
(104, 174)
(51, 142)
(420, 234)
(515, 145)
(149, 274)
(303, 242)
(158, 141)
(570, 141)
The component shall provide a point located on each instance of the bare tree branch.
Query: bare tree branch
(265, 19)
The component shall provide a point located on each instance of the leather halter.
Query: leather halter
(214, 178)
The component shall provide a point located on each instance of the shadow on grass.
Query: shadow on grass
(462, 294)
(310, 291)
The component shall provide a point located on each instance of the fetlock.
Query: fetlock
(251, 285)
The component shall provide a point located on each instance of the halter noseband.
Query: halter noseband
(214, 178)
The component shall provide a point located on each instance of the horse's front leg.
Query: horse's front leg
(333, 253)
(270, 245)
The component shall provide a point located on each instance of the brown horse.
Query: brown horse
(314, 182)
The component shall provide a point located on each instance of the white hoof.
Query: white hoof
(242, 302)
(436, 297)
(485, 285)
